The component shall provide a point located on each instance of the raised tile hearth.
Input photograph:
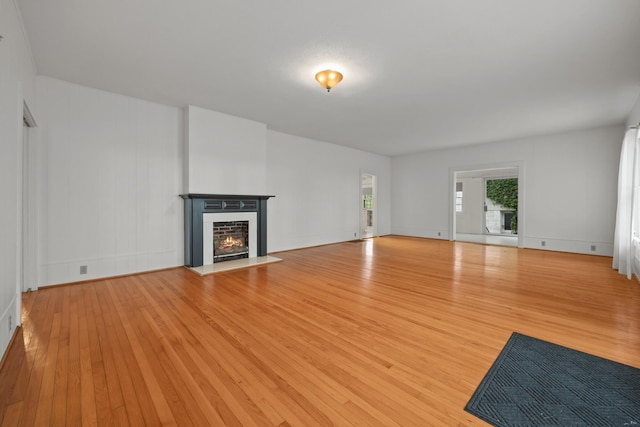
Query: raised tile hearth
(236, 264)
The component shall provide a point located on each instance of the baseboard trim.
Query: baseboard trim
(11, 341)
(100, 279)
(327, 244)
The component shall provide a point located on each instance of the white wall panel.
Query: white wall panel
(113, 177)
(227, 154)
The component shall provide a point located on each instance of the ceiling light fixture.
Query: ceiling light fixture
(328, 79)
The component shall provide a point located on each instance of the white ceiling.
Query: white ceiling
(418, 74)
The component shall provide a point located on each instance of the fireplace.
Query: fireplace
(224, 227)
(230, 240)
(229, 235)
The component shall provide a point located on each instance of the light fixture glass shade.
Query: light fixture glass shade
(328, 79)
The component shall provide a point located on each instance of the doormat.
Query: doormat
(537, 383)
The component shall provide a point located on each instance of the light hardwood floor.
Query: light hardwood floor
(388, 332)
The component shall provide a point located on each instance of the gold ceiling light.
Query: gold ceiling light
(328, 79)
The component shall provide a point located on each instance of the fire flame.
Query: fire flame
(230, 243)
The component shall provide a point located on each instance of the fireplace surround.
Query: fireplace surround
(197, 212)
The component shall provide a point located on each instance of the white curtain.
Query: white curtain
(628, 198)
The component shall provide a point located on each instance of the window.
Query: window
(507, 217)
(458, 197)
(368, 201)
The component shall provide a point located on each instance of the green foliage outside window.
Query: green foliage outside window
(505, 193)
(368, 201)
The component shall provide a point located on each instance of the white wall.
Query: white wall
(225, 154)
(634, 116)
(112, 177)
(113, 169)
(317, 189)
(576, 173)
(316, 184)
(17, 74)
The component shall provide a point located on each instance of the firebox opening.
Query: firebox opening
(230, 240)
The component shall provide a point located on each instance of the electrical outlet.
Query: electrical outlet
(83, 269)
(438, 234)
(543, 243)
(354, 234)
(593, 248)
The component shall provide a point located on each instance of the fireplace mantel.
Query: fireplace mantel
(195, 205)
(224, 196)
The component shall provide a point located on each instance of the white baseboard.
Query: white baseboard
(8, 325)
(420, 232)
(97, 268)
(531, 242)
(574, 246)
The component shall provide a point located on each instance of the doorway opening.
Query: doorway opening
(501, 206)
(486, 207)
(368, 202)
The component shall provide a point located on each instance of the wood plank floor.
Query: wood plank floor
(393, 331)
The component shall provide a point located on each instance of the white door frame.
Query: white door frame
(521, 194)
(361, 220)
(29, 254)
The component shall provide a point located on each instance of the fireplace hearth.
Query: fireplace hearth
(204, 211)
